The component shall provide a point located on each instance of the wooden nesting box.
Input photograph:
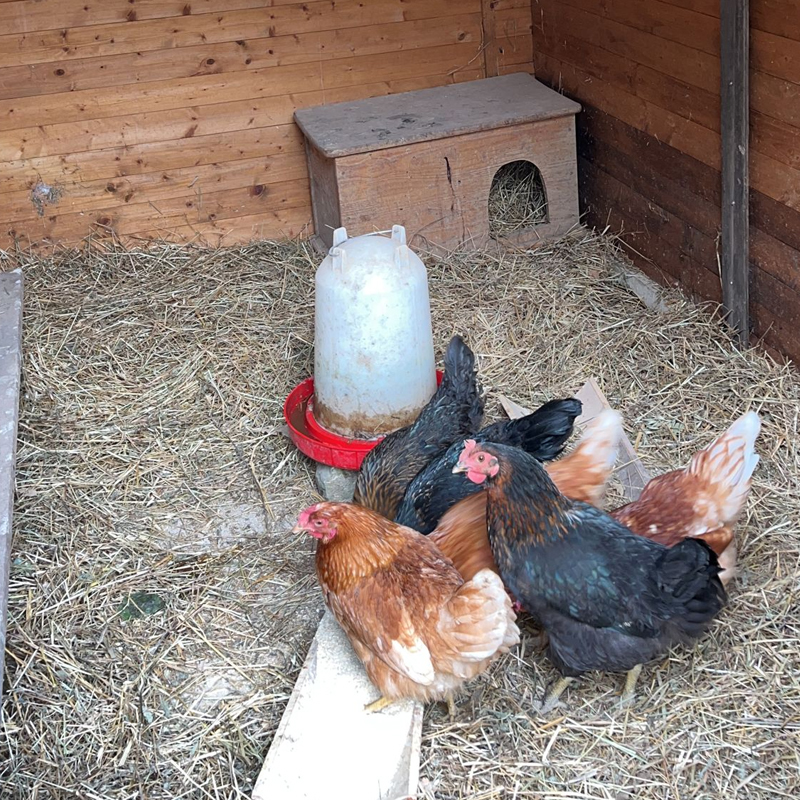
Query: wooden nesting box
(426, 159)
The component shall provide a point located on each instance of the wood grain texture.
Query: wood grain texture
(134, 110)
(440, 188)
(735, 108)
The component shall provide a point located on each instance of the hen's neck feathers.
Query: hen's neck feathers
(523, 499)
(365, 543)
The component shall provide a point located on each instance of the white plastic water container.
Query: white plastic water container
(374, 365)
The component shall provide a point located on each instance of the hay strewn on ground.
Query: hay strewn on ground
(152, 472)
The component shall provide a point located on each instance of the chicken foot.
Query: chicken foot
(629, 692)
(378, 705)
(550, 699)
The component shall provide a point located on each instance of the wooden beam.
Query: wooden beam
(734, 94)
(489, 30)
(10, 364)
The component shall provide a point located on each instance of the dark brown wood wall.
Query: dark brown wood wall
(647, 73)
(173, 118)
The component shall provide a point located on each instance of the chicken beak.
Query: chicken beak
(299, 529)
(459, 468)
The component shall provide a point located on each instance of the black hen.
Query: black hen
(607, 598)
(436, 489)
(454, 411)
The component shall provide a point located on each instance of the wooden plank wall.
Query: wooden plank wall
(647, 73)
(165, 119)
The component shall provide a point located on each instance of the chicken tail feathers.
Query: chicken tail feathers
(726, 466)
(689, 583)
(481, 623)
(543, 433)
(460, 383)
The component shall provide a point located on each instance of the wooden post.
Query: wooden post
(488, 27)
(734, 95)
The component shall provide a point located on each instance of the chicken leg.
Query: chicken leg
(550, 699)
(378, 705)
(629, 692)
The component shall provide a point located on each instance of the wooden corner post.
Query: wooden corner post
(735, 112)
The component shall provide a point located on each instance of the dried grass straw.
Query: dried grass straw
(151, 460)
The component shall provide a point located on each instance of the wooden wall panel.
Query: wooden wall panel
(159, 118)
(647, 73)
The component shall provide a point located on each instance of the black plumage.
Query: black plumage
(455, 411)
(607, 598)
(435, 489)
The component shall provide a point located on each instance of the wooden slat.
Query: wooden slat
(681, 186)
(775, 98)
(775, 218)
(23, 16)
(655, 87)
(734, 92)
(226, 57)
(204, 90)
(286, 223)
(770, 136)
(173, 212)
(649, 231)
(157, 187)
(151, 157)
(489, 37)
(772, 177)
(684, 63)
(183, 123)
(662, 20)
(688, 136)
(228, 26)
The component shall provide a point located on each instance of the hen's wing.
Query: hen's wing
(387, 612)
(477, 623)
(584, 473)
(704, 499)
(601, 574)
(455, 410)
(420, 619)
(435, 489)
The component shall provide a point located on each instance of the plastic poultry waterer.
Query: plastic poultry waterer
(374, 365)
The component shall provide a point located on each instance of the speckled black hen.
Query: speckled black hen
(608, 599)
(455, 411)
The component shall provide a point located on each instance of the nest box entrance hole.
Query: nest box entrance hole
(517, 199)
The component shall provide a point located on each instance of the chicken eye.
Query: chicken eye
(481, 458)
(318, 523)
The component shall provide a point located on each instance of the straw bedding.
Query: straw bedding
(160, 612)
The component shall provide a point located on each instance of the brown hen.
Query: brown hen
(704, 499)
(420, 630)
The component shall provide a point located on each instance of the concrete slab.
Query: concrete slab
(327, 746)
(11, 285)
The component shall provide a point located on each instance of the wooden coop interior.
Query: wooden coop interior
(173, 120)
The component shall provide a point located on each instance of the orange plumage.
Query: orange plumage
(420, 630)
(704, 499)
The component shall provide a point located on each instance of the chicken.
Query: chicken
(607, 598)
(454, 411)
(581, 475)
(704, 499)
(435, 489)
(420, 630)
